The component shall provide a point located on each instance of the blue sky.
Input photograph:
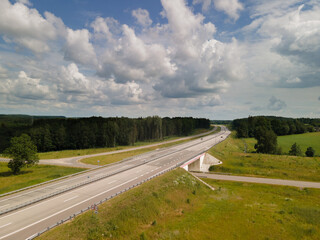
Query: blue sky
(220, 59)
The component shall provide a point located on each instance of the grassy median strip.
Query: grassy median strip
(176, 206)
(112, 158)
(232, 153)
(31, 176)
(107, 159)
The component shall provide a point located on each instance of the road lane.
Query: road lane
(36, 217)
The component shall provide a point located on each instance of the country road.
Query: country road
(41, 207)
(301, 184)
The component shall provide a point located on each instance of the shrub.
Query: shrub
(310, 152)
(295, 150)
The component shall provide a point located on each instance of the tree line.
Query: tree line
(95, 132)
(266, 129)
(246, 127)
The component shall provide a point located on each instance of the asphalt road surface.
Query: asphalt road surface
(105, 182)
(301, 184)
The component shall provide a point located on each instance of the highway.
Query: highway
(29, 212)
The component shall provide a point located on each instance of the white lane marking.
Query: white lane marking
(30, 225)
(70, 198)
(4, 205)
(5, 225)
(112, 181)
(49, 185)
(37, 204)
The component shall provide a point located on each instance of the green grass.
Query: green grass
(176, 206)
(236, 161)
(285, 142)
(82, 152)
(31, 176)
(304, 140)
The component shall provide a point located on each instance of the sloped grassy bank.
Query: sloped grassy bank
(177, 206)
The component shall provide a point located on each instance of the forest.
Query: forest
(52, 134)
(246, 127)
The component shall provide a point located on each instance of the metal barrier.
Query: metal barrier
(100, 202)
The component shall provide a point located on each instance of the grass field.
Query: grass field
(304, 140)
(176, 206)
(285, 142)
(31, 176)
(82, 152)
(236, 161)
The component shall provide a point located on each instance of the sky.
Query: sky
(218, 59)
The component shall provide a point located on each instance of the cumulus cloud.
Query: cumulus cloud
(276, 104)
(25, 27)
(79, 48)
(181, 62)
(203, 64)
(71, 81)
(25, 87)
(142, 17)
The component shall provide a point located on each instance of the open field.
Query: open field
(304, 140)
(285, 142)
(236, 161)
(82, 152)
(31, 176)
(176, 206)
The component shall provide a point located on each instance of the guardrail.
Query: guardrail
(114, 195)
(83, 172)
(100, 202)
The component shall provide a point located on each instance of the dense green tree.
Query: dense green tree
(23, 152)
(310, 152)
(266, 140)
(295, 150)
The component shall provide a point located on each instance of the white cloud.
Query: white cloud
(25, 26)
(230, 7)
(129, 59)
(142, 17)
(205, 4)
(25, 2)
(25, 87)
(79, 48)
(287, 53)
(71, 81)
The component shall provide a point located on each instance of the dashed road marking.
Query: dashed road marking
(70, 198)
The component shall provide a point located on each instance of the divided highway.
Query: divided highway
(29, 212)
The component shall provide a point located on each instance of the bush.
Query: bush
(310, 152)
(295, 150)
